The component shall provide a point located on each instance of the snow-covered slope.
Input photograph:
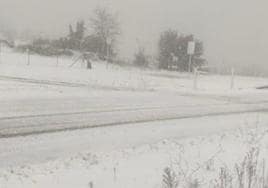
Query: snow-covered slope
(117, 77)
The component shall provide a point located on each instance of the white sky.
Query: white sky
(233, 30)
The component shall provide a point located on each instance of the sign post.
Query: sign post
(195, 78)
(232, 78)
(28, 56)
(57, 59)
(0, 52)
(108, 45)
(190, 52)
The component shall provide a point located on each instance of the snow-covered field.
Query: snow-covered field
(193, 158)
(120, 78)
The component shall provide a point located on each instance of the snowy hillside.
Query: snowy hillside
(104, 76)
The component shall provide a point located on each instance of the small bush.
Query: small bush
(170, 179)
(141, 60)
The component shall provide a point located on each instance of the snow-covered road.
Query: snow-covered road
(34, 149)
(41, 115)
(49, 151)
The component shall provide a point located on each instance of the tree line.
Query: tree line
(102, 40)
(173, 51)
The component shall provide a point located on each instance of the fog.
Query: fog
(233, 31)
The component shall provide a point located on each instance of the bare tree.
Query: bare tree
(105, 25)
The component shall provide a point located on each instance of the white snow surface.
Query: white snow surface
(128, 156)
(124, 156)
(116, 77)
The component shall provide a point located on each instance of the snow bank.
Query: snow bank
(139, 166)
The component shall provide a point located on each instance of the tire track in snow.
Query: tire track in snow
(75, 123)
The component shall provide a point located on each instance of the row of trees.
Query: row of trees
(173, 51)
(100, 37)
(101, 40)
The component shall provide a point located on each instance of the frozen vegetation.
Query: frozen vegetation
(228, 159)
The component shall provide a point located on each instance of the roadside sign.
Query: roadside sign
(191, 48)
